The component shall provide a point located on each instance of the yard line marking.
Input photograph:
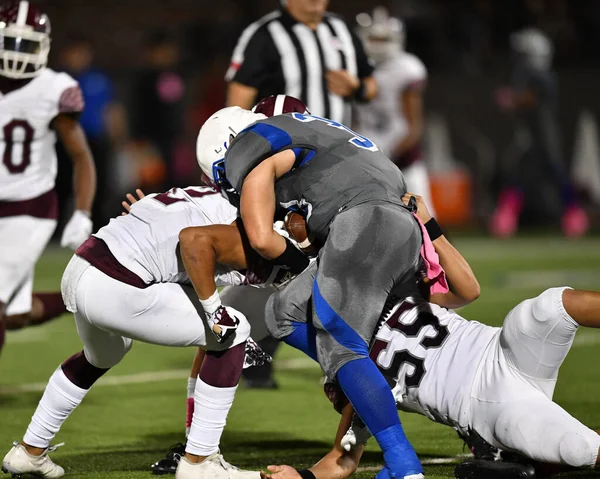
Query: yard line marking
(432, 461)
(583, 339)
(154, 376)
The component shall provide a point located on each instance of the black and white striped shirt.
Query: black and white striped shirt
(277, 54)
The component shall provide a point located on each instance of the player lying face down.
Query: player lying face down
(494, 385)
(369, 243)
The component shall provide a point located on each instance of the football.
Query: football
(295, 225)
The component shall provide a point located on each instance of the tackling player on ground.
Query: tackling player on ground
(36, 105)
(493, 385)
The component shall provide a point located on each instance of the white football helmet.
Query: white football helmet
(24, 40)
(534, 47)
(216, 135)
(382, 35)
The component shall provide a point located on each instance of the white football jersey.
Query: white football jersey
(431, 356)
(28, 159)
(146, 241)
(382, 120)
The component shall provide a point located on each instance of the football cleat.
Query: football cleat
(169, 463)
(19, 462)
(482, 469)
(480, 448)
(213, 467)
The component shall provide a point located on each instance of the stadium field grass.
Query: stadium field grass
(136, 412)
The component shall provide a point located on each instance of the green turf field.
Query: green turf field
(137, 411)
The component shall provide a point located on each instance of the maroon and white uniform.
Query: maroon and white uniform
(127, 282)
(496, 381)
(28, 204)
(384, 122)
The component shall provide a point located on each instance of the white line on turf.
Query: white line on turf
(153, 376)
(584, 338)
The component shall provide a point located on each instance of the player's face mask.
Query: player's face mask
(221, 181)
(23, 52)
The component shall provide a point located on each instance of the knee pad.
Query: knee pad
(549, 306)
(579, 449)
(111, 355)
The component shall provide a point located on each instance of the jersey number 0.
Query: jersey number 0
(9, 135)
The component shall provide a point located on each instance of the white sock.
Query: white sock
(191, 386)
(211, 406)
(60, 398)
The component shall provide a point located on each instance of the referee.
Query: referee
(305, 52)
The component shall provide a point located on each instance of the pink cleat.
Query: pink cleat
(505, 220)
(575, 222)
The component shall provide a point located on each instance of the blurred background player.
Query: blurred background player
(36, 105)
(394, 120)
(305, 52)
(536, 149)
(158, 111)
(103, 122)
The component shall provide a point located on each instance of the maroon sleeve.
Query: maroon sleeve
(71, 101)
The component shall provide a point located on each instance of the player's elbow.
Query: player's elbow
(472, 292)
(262, 242)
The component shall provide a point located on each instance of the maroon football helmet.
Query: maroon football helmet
(279, 104)
(24, 40)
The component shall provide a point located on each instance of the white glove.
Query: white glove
(78, 229)
(357, 435)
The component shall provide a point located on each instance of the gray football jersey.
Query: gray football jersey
(336, 168)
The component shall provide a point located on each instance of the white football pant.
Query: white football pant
(511, 401)
(22, 241)
(110, 314)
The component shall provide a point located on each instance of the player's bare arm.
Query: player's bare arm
(241, 95)
(73, 138)
(464, 287)
(258, 204)
(84, 172)
(337, 464)
(202, 247)
(412, 106)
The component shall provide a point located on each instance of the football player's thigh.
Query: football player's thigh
(545, 432)
(20, 303)
(367, 252)
(23, 239)
(536, 337)
(101, 348)
(165, 313)
(251, 302)
(291, 305)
